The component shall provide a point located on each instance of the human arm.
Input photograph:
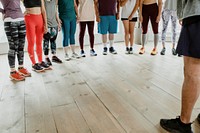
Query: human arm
(76, 10)
(118, 9)
(134, 9)
(57, 17)
(159, 10)
(140, 10)
(43, 11)
(96, 5)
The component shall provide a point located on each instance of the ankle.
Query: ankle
(184, 121)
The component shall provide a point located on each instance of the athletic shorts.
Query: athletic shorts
(132, 20)
(108, 24)
(189, 40)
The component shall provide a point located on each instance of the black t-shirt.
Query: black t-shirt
(191, 20)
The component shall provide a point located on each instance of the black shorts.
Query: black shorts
(132, 20)
(189, 40)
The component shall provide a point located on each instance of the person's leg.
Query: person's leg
(112, 29)
(191, 87)
(46, 39)
(20, 52)
(131, 32)
(90, 26)
(72, 38)
(165, 18)
(11, 30)
(174, 25)
(126, 34)
(82, 34)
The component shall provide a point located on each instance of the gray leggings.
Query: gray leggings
(166, 16)
(15, 32)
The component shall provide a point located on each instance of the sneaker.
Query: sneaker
(179, 55)
(105, 49)
(163, 51)
(131, 50)
(198, 118)
(37, 68)
(45, 65)
(174, 51)
(82, 53)
(93, 53)
(47, 60)
(56, 59)
(142, 51)
(175, 126)
(112, 50)
(154, 51)
(75, 55)
(16, 76)
(127, 50)
(67, 58)
(24, 72)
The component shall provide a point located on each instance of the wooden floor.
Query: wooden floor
(104, 94)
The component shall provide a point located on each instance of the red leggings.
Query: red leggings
(150, 12)
(34, 32)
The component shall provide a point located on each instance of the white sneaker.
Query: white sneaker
(75, 55)
(67, 58)
(131, 50)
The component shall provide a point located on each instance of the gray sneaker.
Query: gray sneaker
(163, 51)
(174, 51)
(75, 55)
(67, 58)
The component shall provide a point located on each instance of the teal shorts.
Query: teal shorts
(108, 24)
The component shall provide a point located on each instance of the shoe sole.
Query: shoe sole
(25, 75)
(17, 79)
(105, 53)
(93, 55)
(154, 54)
(113, 53)
(38, 71)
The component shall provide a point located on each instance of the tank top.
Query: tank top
(50, 6)
(66, 9)
(32, 3)
(128, 8)
(86, 10)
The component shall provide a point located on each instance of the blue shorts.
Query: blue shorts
(108, 24)
(189, 41)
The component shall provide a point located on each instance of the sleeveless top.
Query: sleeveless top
(50, 6)
(86, 10)
(32, 3)
(128, 8)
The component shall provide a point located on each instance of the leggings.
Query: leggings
(35, 30)
(90, 25)
(50, 37)
(150, 12)
(68, 29)
(15, 32)
(166, 16)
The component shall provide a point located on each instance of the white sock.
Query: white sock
(111, 43)
(156, 39)
(104, 44)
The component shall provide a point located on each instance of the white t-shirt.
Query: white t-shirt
(86, 10)
(128, 8)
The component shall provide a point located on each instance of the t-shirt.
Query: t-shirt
(128, 8)
(86, 10)
(107, 7)
(66, 9)
(50, 6)
(170, 5)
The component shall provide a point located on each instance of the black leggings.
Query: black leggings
(15, 32)
(90, 25)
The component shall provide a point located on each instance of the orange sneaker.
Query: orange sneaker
(154, 51)
(142, 50)
(16, 76)
(23, 71)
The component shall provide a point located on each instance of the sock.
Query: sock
(104, 44)
(111, 43)
(144, 39)
(156, 39)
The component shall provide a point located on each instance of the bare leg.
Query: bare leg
(131, 32)
(191, 87)
(126, 31)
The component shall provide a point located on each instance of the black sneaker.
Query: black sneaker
(45, 65)
(174, 51)
(179, 55)
(56, 59)
(127, 50)
(83, 53)
(105, 49)
(131, 50)
(175, 126)
(198, 118)
(112, 50)
(163, 51)
(47, 60)
(37, 68)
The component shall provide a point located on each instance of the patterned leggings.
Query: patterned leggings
(166, 15)
(15, 32)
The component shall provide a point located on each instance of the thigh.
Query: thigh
(82, 27)
(113, 23)
(131, 27)
(73, 26)
(126, 26)
(90, 26)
